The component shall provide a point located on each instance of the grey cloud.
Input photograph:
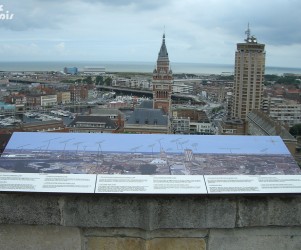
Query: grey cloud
(191, 25)
(137, 4)
(275, 21)
(35, 14)
(52, 14)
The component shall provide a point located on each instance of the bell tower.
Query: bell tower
(162, 81)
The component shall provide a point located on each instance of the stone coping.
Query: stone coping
(150, 212)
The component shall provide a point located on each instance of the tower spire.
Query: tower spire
(162, 80)
(163, 50)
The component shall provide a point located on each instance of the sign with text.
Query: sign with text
(146, 184)
(56, 183)
(147, 164)
(235, 184)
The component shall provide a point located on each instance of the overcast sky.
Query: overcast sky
(197, 31)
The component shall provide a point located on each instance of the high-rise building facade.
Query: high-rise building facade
(162, 81)
(248, 77)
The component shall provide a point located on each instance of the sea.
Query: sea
(147, 67)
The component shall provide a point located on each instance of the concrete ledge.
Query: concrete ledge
(144, 234)
(140, 244)
(255, 238)
(32, 209)
(167, 239)
(28, 237)
(39, 237)
(266, 211)
(150, 212)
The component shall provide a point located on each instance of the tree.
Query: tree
(216, 109)
(108, 81)
(99, 80)
(88, 80)
(295, 130)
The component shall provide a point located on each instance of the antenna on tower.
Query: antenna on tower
(248, 33)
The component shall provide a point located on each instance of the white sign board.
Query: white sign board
(280, 183)
(68, 183)
(236, 184)
(179, 184)
(56, 183)
(20, 182)
(123, 184)
(148, 184)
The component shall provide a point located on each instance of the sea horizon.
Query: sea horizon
(133, 66)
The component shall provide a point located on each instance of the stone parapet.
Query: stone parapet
(89, 222)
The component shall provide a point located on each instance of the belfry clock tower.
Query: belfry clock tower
(162, 81)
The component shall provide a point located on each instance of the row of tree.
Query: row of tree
(99, 80)
(285, 80)
(295, 130)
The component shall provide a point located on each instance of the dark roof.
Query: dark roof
(163, 50)
(147, 116)
(147, 104)
(105, 111)
(93, 119)
(42, 123)
(269, 125)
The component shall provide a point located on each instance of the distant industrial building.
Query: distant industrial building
(94, 70)
(71, 70)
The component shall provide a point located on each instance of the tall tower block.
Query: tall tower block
(162, 81)
(248, 76)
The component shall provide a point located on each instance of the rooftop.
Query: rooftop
(93, 119)
(147, 116)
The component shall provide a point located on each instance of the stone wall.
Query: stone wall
(148, 222)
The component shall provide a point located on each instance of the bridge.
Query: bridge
(127, 91)
(149, 93)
